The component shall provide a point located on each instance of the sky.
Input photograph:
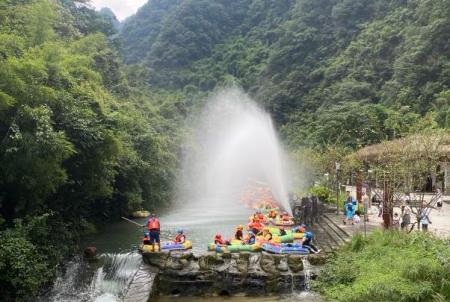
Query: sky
(121, 8)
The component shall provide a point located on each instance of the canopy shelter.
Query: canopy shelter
(415, 147)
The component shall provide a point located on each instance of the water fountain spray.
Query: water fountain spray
(236, 145)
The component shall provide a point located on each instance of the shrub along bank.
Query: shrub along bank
(388, 266)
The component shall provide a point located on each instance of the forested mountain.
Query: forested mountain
(351, 72)
(80, 142)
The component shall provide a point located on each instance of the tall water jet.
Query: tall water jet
(235, 146)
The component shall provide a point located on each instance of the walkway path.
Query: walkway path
(440, 221)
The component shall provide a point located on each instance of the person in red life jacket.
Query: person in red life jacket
(146, 239)
(218, 240)
(180, 237)
(154, 229)
(239, 235)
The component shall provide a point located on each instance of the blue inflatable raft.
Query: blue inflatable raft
(171, 246)
(285, 248)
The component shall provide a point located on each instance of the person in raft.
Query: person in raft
(273, 214)
(267, 235)
(180, 238)
(239, 235)
(299, 229)
(307, 243)
(218, 240)
(260, 216)
(146, 239)
(251, 239)
(282, 231)
(285, 216)
(154, 229)
(255, 226)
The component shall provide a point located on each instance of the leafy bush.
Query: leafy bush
(324, 193)
(389, 266)
(29, 255)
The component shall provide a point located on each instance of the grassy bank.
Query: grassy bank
(388, 266)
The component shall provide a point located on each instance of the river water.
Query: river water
(107, 279)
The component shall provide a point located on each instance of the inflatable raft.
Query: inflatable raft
(285, 248)
(234, 248)
(140, 214)
(166, 246)
(288, 238)
(172, 246)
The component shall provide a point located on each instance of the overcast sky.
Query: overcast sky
(122, 8)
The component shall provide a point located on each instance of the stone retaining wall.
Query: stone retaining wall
(229, 273)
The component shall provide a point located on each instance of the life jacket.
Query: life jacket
(153, 224)
(255, 225)
(258, 225)
(261, 217)
(219, 241)
(252, 239)
(180, 238)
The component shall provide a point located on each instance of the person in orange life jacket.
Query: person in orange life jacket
(153, 227)
(239, 235)
(180, 237)
(255, 226)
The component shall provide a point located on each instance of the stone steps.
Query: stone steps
(340, 233)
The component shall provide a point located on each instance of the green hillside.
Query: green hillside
(351, 72)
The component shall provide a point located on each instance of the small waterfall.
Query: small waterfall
(307, 273)
(105, 280)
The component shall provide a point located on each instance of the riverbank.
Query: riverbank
(388, 266)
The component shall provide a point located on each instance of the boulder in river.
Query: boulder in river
(90, 252)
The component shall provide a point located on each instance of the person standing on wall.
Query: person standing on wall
(154, 230)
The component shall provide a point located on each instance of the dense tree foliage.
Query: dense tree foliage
(330, 71)
(79, 142)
